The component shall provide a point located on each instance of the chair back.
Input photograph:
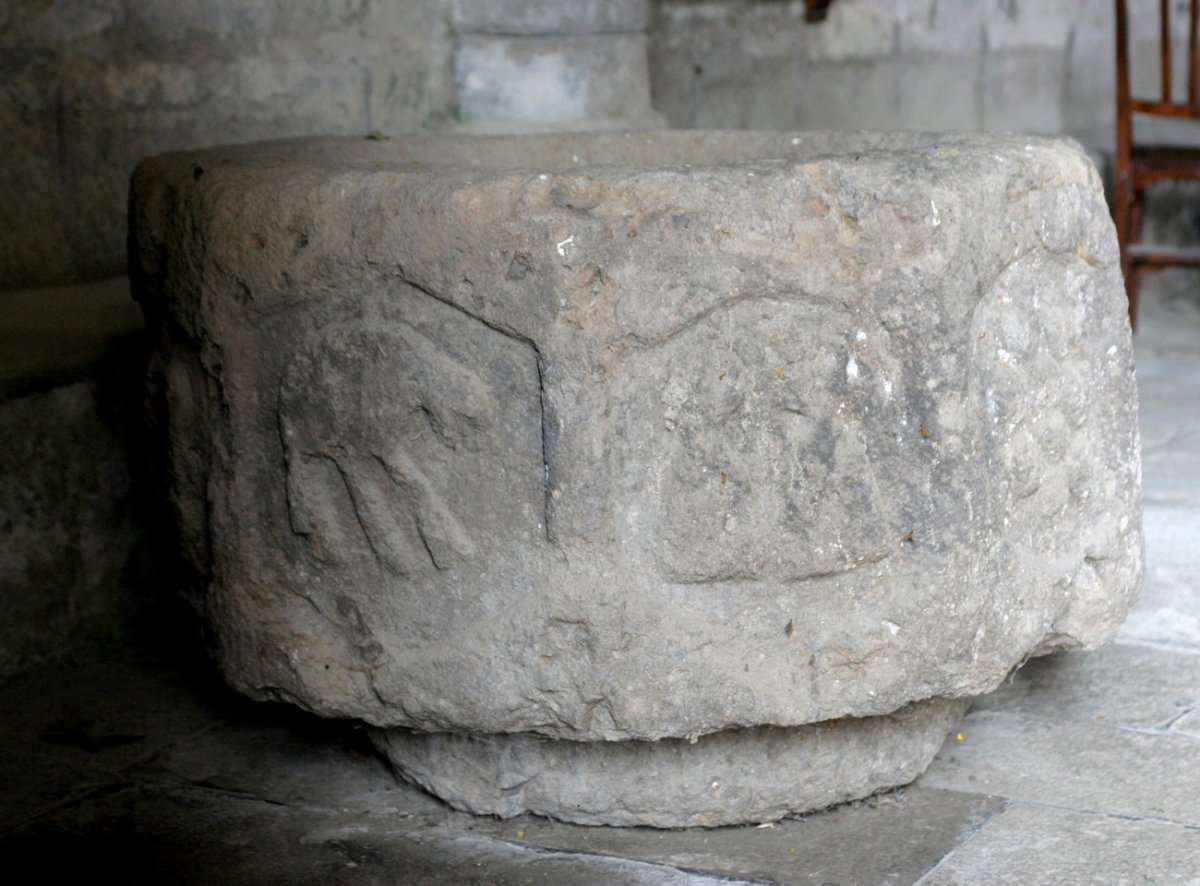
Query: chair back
(1135, 170)
(1167, 103)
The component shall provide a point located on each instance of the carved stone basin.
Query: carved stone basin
(671, 478)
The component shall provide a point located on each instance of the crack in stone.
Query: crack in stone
(620, 861)
(1105, 813)
(631, 341)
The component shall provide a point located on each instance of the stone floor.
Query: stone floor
(1083, 768)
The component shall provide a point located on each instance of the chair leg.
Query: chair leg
(1123, 215)
(1133, 280)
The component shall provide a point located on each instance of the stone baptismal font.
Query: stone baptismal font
(665, 478)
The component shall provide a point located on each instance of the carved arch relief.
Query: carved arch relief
(768, 469)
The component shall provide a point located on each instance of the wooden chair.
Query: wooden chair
(1138, 167)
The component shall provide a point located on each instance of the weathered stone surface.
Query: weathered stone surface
(631, 437)
(753, 775)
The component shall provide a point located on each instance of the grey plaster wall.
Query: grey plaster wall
(1038, 66)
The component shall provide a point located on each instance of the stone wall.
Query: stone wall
(91, 86)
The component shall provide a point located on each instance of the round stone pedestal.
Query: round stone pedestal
(747, 775)
(567, 450)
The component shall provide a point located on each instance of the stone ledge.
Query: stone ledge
(59, 335)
